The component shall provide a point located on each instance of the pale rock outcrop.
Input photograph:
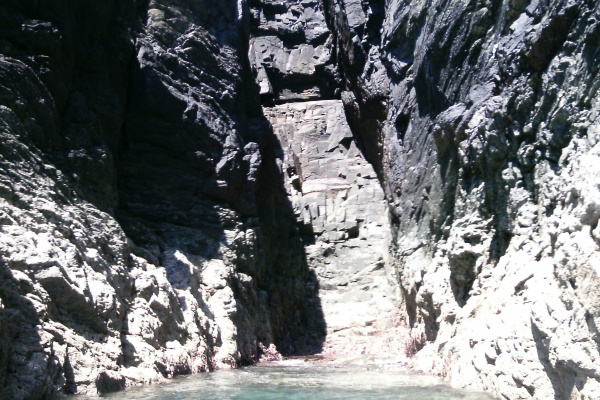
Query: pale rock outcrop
(344, 220)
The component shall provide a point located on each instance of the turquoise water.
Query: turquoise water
(299, 381)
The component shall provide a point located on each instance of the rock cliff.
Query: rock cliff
(185, 184)
(142, 233)
(481, 119)
(343, 218)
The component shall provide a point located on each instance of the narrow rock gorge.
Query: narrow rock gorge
(191, 185)
(344, 223)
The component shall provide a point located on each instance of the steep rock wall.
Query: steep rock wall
(340, 207)
(481, 118)
(290, 51)
(132, 244)
(145, 226)
(338, 203)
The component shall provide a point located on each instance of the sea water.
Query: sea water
(300, 381)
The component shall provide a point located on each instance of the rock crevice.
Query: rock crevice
(184, 185)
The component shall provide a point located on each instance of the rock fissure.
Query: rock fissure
(187, 186)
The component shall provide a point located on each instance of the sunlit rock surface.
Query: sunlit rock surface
(481, 118)
(344, 221)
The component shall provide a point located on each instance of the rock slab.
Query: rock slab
(343, 217)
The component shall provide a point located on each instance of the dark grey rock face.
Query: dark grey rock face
(481, 120)
(132, 244)
(291, 51)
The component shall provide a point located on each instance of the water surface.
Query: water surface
(300, 381)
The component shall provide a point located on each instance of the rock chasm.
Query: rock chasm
(191, 185)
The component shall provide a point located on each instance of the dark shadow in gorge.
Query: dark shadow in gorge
(186, 180)
(299, 324)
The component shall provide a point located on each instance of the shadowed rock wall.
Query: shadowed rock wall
(481, 119)
(132, 244)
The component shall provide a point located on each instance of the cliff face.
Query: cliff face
(133, 246)
(156, 220)
(338, 203)
(343, 218)
(481, 119)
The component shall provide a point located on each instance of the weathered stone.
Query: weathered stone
(337, 208)
(290, 52)
(145, 228)
(132, 245)
(478, 124)
(109, 381)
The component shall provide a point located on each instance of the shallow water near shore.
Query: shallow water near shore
(300, 381)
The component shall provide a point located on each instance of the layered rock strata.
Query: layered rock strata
(481, 119)
(340, 206)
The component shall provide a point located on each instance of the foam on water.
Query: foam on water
(291, 363)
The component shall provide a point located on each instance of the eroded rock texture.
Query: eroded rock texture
(133, 246)
(338, 202)
(344, 221)
(291, 51)
(152, 223)
(481, 118)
